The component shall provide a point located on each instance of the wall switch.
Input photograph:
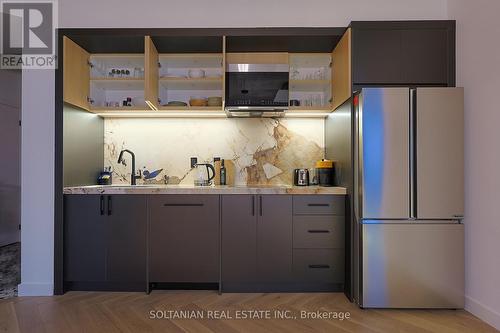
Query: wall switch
(194, 161)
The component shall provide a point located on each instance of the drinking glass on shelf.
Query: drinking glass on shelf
(317, 100)
(137, 72)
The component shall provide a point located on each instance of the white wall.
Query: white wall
(241, 13)
(38, 105)
(478, 69)
(37, 183)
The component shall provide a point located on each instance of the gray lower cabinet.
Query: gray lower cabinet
(105, 242)
(274, 238)
(248, 242)
(184, 238)
(84, 238)
(319, 241)
(239, 238)
(126, 238)
(256, 241)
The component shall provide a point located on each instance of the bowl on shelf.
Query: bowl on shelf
(196, 73)
(198, 102)
(214, 101)
(175, 103)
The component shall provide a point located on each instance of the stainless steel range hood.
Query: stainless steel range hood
(255, 111)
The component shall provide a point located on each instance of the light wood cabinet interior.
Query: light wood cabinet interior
(76, 78)
(166, 78)
(341, 70)
(151, 74)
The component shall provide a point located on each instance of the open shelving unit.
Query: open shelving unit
(108, 90)
(155, 70)
(311, 80)
(177, 85)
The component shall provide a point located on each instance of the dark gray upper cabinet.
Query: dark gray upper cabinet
(239, 238)
(84, 238)
(377, 56)
(184, 238)
(274, 238)
(425, 56)
(126, 227)
(403, 53)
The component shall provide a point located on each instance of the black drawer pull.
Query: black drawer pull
(318, 205)
(319, 266)
(318, 231)
(184, 205)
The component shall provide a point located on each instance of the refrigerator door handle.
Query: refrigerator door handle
(412, 141)
(358, 159)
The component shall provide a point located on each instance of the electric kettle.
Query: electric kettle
(202, 174)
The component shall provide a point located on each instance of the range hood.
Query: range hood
(255, 112)
(256, 90)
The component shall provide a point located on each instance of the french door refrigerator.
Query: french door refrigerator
(409, 198)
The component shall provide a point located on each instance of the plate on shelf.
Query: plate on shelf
(175, 103)
(173, 76)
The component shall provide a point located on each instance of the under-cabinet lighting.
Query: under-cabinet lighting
(193, 114)
(306, 114)
(161, 114)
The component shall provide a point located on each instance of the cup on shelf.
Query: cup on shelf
(138, 72)
(138, 101)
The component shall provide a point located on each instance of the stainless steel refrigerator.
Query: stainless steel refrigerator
(409, 198)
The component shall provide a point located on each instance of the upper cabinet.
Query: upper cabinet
(310, 84)
(185, 73)
(179, 71)
(403, 53)
(151, 74)
(76, 74)
(95, 80)
(341, 70)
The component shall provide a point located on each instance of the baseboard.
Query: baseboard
(35, 289)
(483, 312)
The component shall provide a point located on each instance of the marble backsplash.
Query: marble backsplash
(264, 151)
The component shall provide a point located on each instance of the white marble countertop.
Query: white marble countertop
(190, 189)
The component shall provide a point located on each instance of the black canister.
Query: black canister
(326, 173)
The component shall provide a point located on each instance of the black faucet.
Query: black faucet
(133, 177)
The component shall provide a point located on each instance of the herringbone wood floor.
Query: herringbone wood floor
(129, 312)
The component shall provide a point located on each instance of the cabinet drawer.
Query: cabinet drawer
(318, 205)
(176, 202)
(318, 265)
(318, 232)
